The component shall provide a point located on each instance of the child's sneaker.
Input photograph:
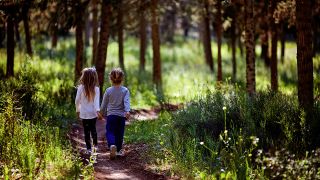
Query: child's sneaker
(120, 153)
(113, 150)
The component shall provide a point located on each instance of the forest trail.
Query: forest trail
(132, 166)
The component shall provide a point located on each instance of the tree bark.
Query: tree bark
(185, 26)
(103, 41)
(120, 34)
(274, 40)
(168, 24)
(219, 34)
(283, 42)
(315, 26)
(25, 19)
(79, 42)
(94, 30)
(10, 46)
(207, 37)
(143, 37)
(54, 38)
(304, 54)
(233, 46)
(87, 29)
(240, 43)
(265, 35)
(2, 33)
(155, 43)
(17, 33)
(250, 47)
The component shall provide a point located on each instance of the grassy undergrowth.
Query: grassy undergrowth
(225, 134)
(36, 110)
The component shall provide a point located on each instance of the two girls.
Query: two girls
(115, 108)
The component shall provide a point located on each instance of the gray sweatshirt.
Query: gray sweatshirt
(116, 101)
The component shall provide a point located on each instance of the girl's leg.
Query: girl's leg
(120, 132)
(94, 131)
(86, 128)
(110, 130)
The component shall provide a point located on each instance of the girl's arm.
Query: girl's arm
(96, 99)
(126, 101)
(77, 100)
(104, 103)
(96, 102)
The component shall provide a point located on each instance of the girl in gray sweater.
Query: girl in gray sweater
(116, 110)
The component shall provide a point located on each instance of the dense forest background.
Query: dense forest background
(243, 77)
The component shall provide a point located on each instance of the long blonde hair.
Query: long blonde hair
(89, 79)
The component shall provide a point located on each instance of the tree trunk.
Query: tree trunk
(250, 47)
(120, 34)
(168, 24)
(240, 43)
(143, 38)
(2, 32)
(79, 43)
(17, 33)
(233, 47)
(94, 30)
(25, 18)
(87, 28)
(315, 25)
(103, 41)
(304, 54)
(54, 38)
(274, 40)
(219, 34)
(264, 37)
(185, 26)
(265, 47)
(155, 43)
(283, 42)
(206, 36)
(10, 46)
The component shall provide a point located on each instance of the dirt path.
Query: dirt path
(132, 166)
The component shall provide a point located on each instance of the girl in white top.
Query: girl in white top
(87, 105)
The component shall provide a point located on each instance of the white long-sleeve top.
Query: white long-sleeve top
(88, 110)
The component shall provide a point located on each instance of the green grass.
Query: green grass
(36, 109)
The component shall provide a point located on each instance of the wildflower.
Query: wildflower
(255, 141)
(224, 108)
(201, 143)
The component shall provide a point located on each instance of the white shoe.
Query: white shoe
(113, 150)
(120, 153)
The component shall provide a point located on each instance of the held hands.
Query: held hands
(100, 117)
(127, 115)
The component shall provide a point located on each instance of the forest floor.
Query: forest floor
(133, 165)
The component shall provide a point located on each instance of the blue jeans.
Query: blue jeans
(115, 131)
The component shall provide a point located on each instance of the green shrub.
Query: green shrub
(34, 117)
(231, 137)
